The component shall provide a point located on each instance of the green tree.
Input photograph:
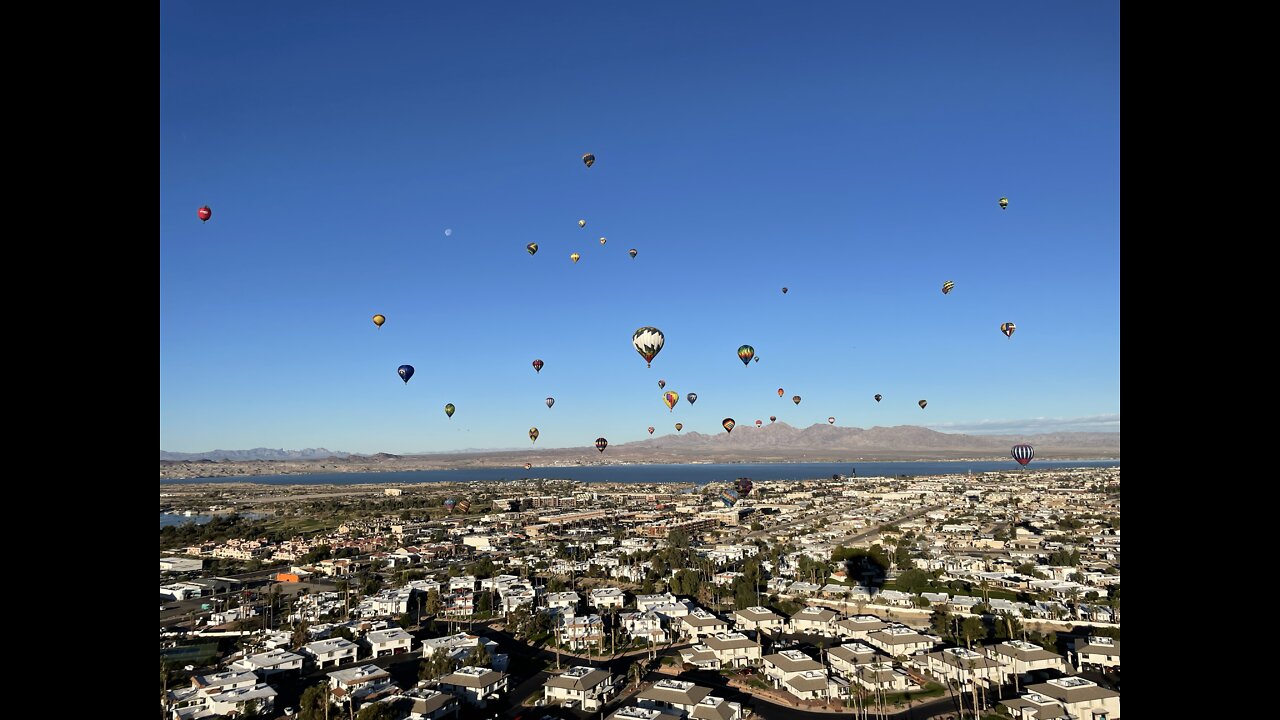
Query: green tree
(477, 657)
(940, 621)
(973, 629)
(315, 703)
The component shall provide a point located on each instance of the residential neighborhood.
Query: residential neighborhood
(997, 592)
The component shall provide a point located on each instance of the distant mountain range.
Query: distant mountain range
(256, 454)
(774, 441)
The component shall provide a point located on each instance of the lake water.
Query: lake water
(698, 474)
(167, 519)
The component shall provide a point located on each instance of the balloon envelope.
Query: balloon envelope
(532, 248)
(537, 365)
(448, 409)
(405, 372)
(745, 353)
(831, 421)
(728, 424)
(692, 398)
(922, 404)
(1007, 329)
(551, 401)
(632, 253)
(795, 399)
(648, 341)
(601, 444)
(650, 429)
(533, 434)
(204, 213)
(878, 396)
(679, 427)
(588, 159)
(947, 287)
(662, 384)
(378, 320)
(1023, 453)
(670, 398)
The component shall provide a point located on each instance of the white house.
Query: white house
(859, 627)
(734, 649)
(645, 603)
(700, 656)
(778, 667)
(362, 683)
(1020, 657)
(644, 626)
(590, 687)
(1095, 653)
(236, 701)
(423, 704)
(714, 708)
(844, 659)
(330, 652)
(814, 620)
(899, 640)
(633, 712)
(392, 641)
(272, 662)
(881, 676)
(965, 666)
(679, 697)
(757, 618)
(810, 685)
(606, 598)
(563, 601)
(582, 632)
(1072, 697)
(475, 685)
(700, 623)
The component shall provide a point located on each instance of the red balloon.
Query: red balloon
(204, 213)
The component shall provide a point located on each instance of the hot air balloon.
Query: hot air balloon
(743, 486)
(759, 423)
(773, 418)
(528, 466)
(729, 497)
(947, 287)
(537, 365)
(1004, 203)
(448, 409)
(204, 213)
(922, 404)
(449, 504)
(632, 253)
(692, 398)
(679, 427)
(728, 424)
(405, 372)
(784, 291)
(378, 320)
(601, 444)
(662, 384)
(1023, 453)
(650, 429)
(831, 420)
(1007, 329)
(878, 396)
(588, 159)
(574, 257)
(670, 398)
(582, 223)
(757, 358)
(533, 434)
(603, 240)
(745, 353)
(648, 341)
(795, 399)
(779, 392)
(551, 401)
(463, 506)
(532, 248)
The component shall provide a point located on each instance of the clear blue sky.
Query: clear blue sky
(852, 152)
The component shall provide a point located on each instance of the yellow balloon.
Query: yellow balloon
(582, 223)
(574, 257)
(378, 320)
